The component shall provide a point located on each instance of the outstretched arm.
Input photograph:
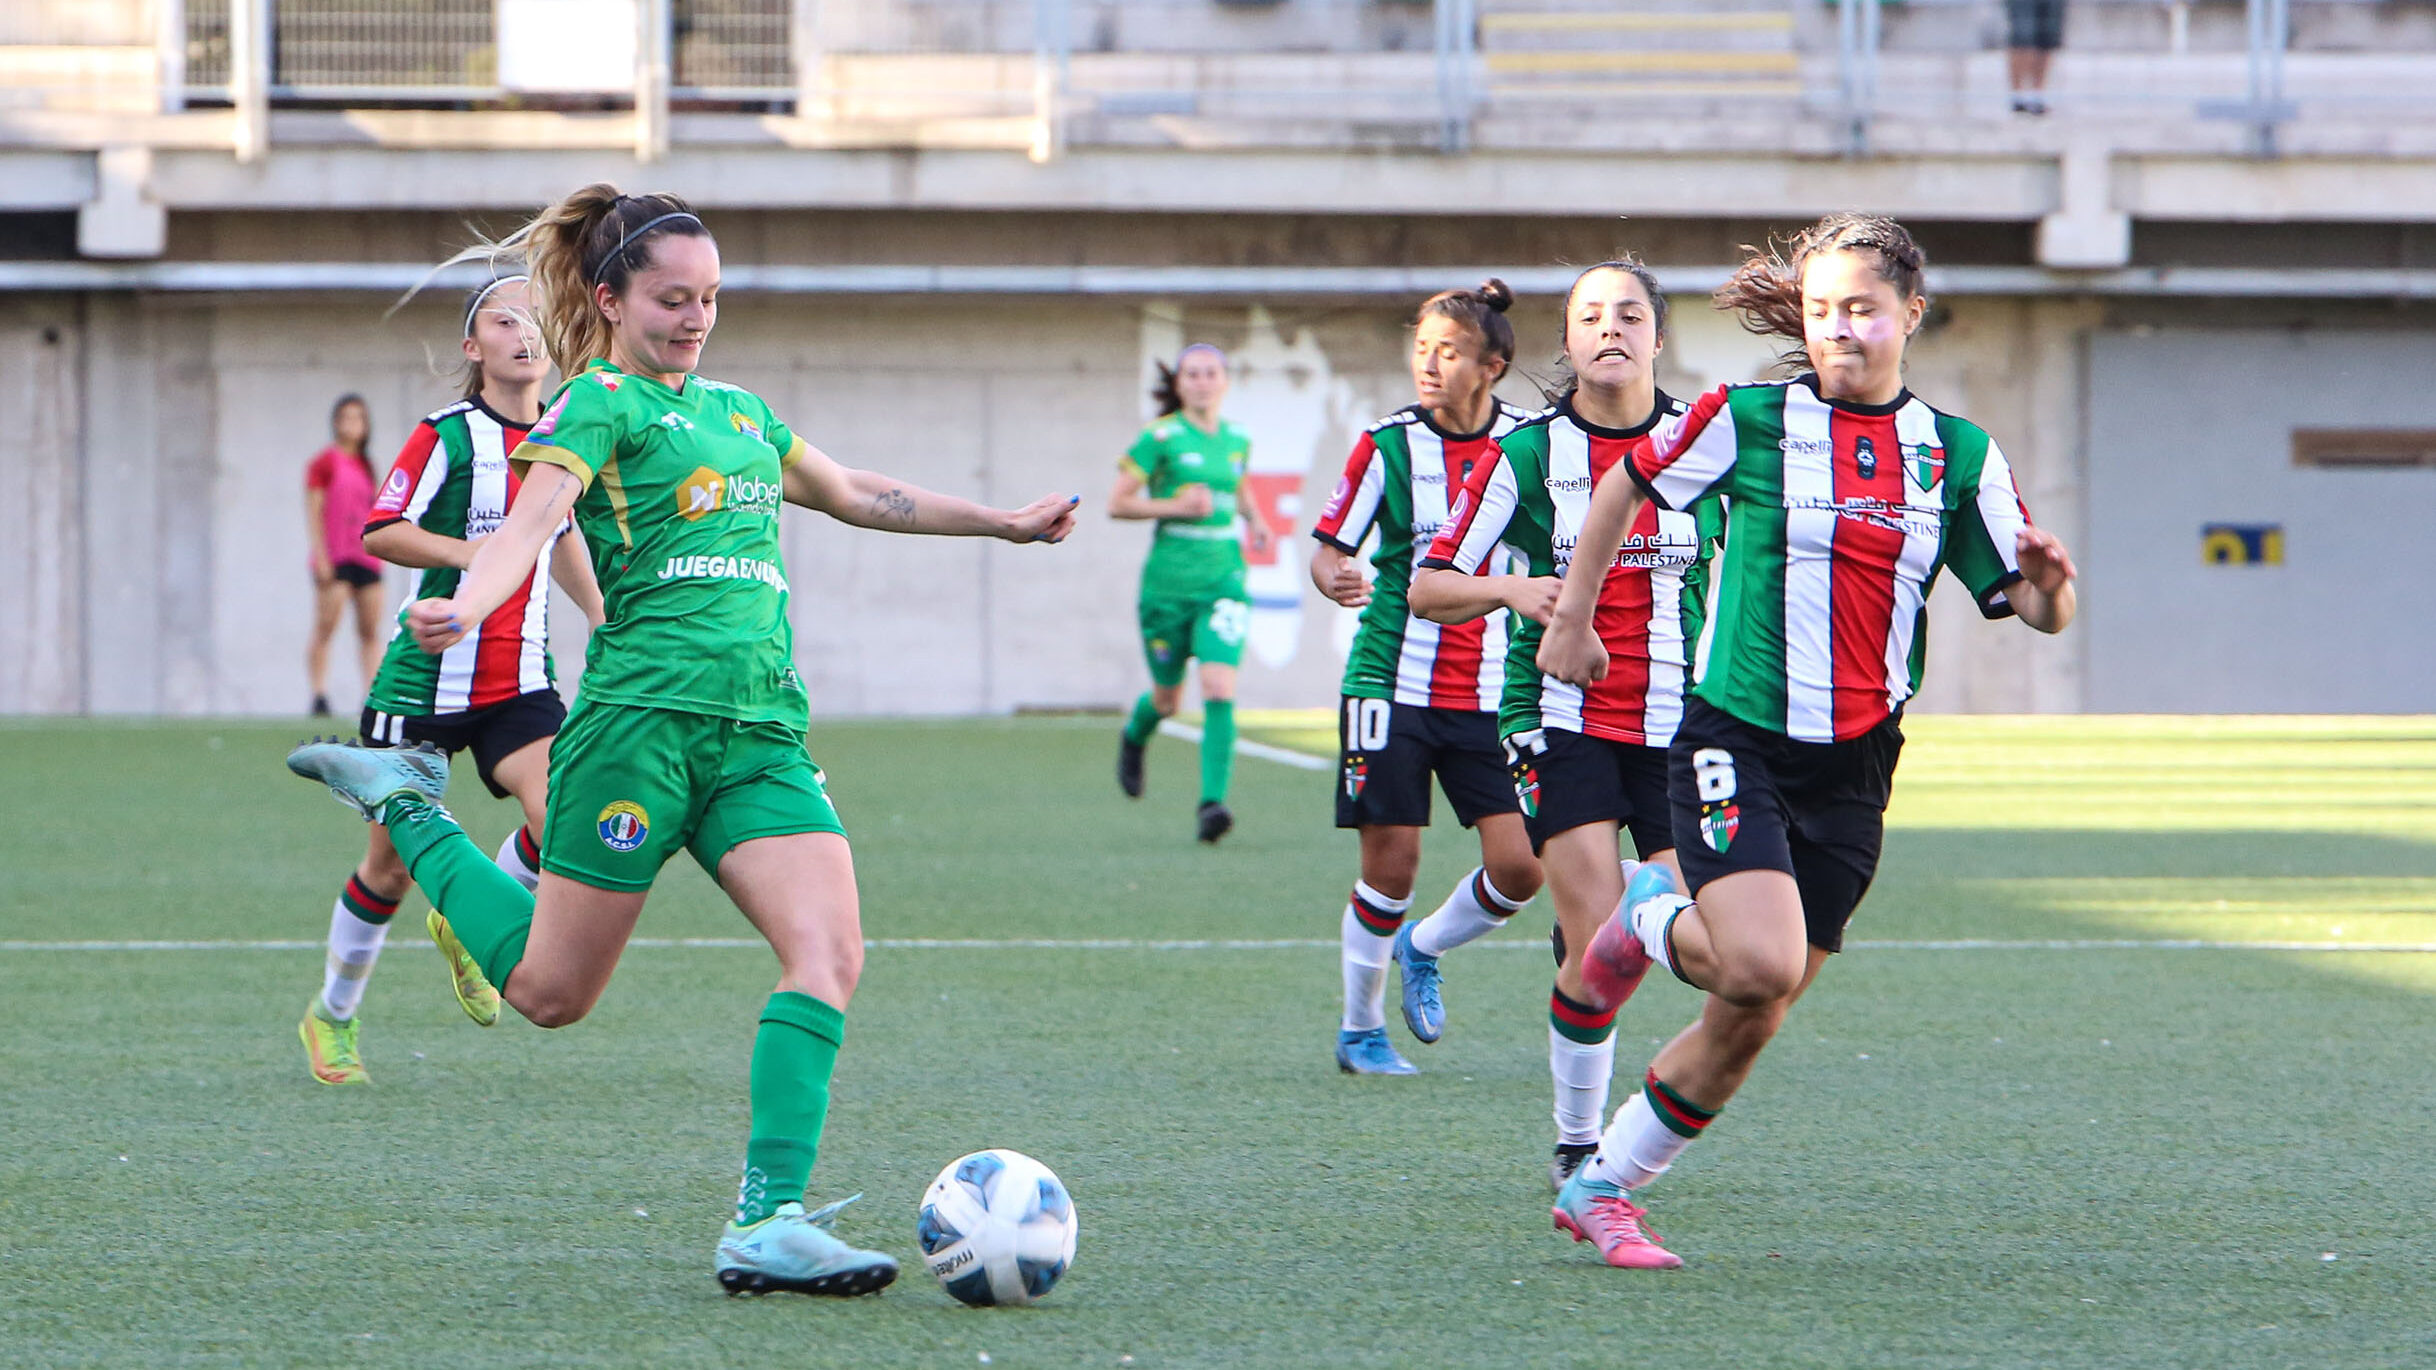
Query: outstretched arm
(1571, 650)
(868, 499)
(500, 562)
(404, 543)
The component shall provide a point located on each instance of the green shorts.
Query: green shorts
(1201, 628)
(629, 786)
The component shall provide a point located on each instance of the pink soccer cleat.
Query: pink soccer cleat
(1605, 1216)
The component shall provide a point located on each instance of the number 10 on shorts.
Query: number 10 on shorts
(1365, 725)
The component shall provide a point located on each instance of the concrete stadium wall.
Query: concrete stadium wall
(151, 514)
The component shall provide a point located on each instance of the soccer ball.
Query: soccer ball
(997, 1227)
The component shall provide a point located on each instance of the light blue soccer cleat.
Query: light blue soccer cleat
(365, 778)
(1367, 1053)
(1424, 1008)
(797, 1251)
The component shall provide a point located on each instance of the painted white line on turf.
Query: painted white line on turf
(1301, 761)
(1276, 944)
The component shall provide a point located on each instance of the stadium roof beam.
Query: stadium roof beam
(390, 278)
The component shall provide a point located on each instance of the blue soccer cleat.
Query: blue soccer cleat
(365, 778)
(1424, 1008)
(798, 1252)
(1367, 1053)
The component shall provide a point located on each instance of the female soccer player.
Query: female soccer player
(338, 493)
(494, 692)
(688, 729)
(1186, 471)
(1845, 495)
(1587, 765)
(1418, 698)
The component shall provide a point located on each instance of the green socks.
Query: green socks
(1217, 749)
(491, 914)
(1143, 723)
(794, 1054)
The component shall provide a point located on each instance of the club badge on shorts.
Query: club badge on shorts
(1719, 823)
(624, 825)
(1357, 774)
(1526, 789)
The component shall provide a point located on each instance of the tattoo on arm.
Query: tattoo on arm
(893, 506)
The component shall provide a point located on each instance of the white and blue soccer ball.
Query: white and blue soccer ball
(997, 1227)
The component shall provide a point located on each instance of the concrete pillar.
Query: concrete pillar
(122, 220)
(2085, 231)
(41, 508)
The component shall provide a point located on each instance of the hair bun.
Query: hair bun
(1496, 294)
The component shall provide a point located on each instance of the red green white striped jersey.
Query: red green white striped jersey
(1841, 516)
(1403, 478)
(452, 478)
(1533, 499)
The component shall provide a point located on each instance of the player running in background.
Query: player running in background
(493, 693)
(1588, 765)
(687, 732)
(1846, 495)
(1420, 698)
(1186, 471)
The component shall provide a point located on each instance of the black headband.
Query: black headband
(632, 234)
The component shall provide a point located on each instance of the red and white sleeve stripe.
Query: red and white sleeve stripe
(414, 478)
(1479, 519)
(1687, 459)
(1345, 520)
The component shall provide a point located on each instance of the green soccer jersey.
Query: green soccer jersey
(1192, 558)
(680, 508)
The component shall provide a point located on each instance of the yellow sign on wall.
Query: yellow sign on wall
(2242, 544)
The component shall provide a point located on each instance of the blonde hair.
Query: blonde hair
(592, 237)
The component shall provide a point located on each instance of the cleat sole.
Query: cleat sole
(845, 1284)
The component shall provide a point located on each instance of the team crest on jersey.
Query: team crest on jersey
(1526, 789)
(1719, 823)
(1927, 463)
(1357, 774)
(1865, 456)
(745, 426)
(624, 825)
(610, 380)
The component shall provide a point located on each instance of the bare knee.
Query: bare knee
(1516, 880)
(384, 872)
(1391, 860)
(1164, 699)
(1760, 984)
(555, 1010)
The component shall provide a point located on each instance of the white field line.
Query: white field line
(1301, 761)
(1270, 944)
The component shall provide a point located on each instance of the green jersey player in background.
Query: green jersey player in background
(1846, 496)
(1186, 471)
(687, 733)
(494, 693)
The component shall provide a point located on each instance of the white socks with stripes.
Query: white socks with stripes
(1366, 955)
(1474, 910)
(354, 946)
(1582, 1071)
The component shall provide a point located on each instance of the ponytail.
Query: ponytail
(595, 236)
(1164, 394)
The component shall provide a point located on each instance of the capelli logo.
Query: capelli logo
(1568, 485)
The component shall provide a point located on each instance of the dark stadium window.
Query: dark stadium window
(2354, 449)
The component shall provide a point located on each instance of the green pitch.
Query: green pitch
(2126, 1145)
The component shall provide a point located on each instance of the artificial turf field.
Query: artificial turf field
(2038, 1116)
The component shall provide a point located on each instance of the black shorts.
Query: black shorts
(1747, 798)
(348, 573)
(495, 732)
(1566, 779)
(2034, 24)
(1387, 752)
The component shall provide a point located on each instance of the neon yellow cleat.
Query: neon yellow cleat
(330, 1048)
(475, 993)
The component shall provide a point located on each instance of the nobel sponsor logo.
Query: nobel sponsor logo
(724, 568)
(707, 492)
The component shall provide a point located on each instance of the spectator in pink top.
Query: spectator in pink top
(339, 487)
